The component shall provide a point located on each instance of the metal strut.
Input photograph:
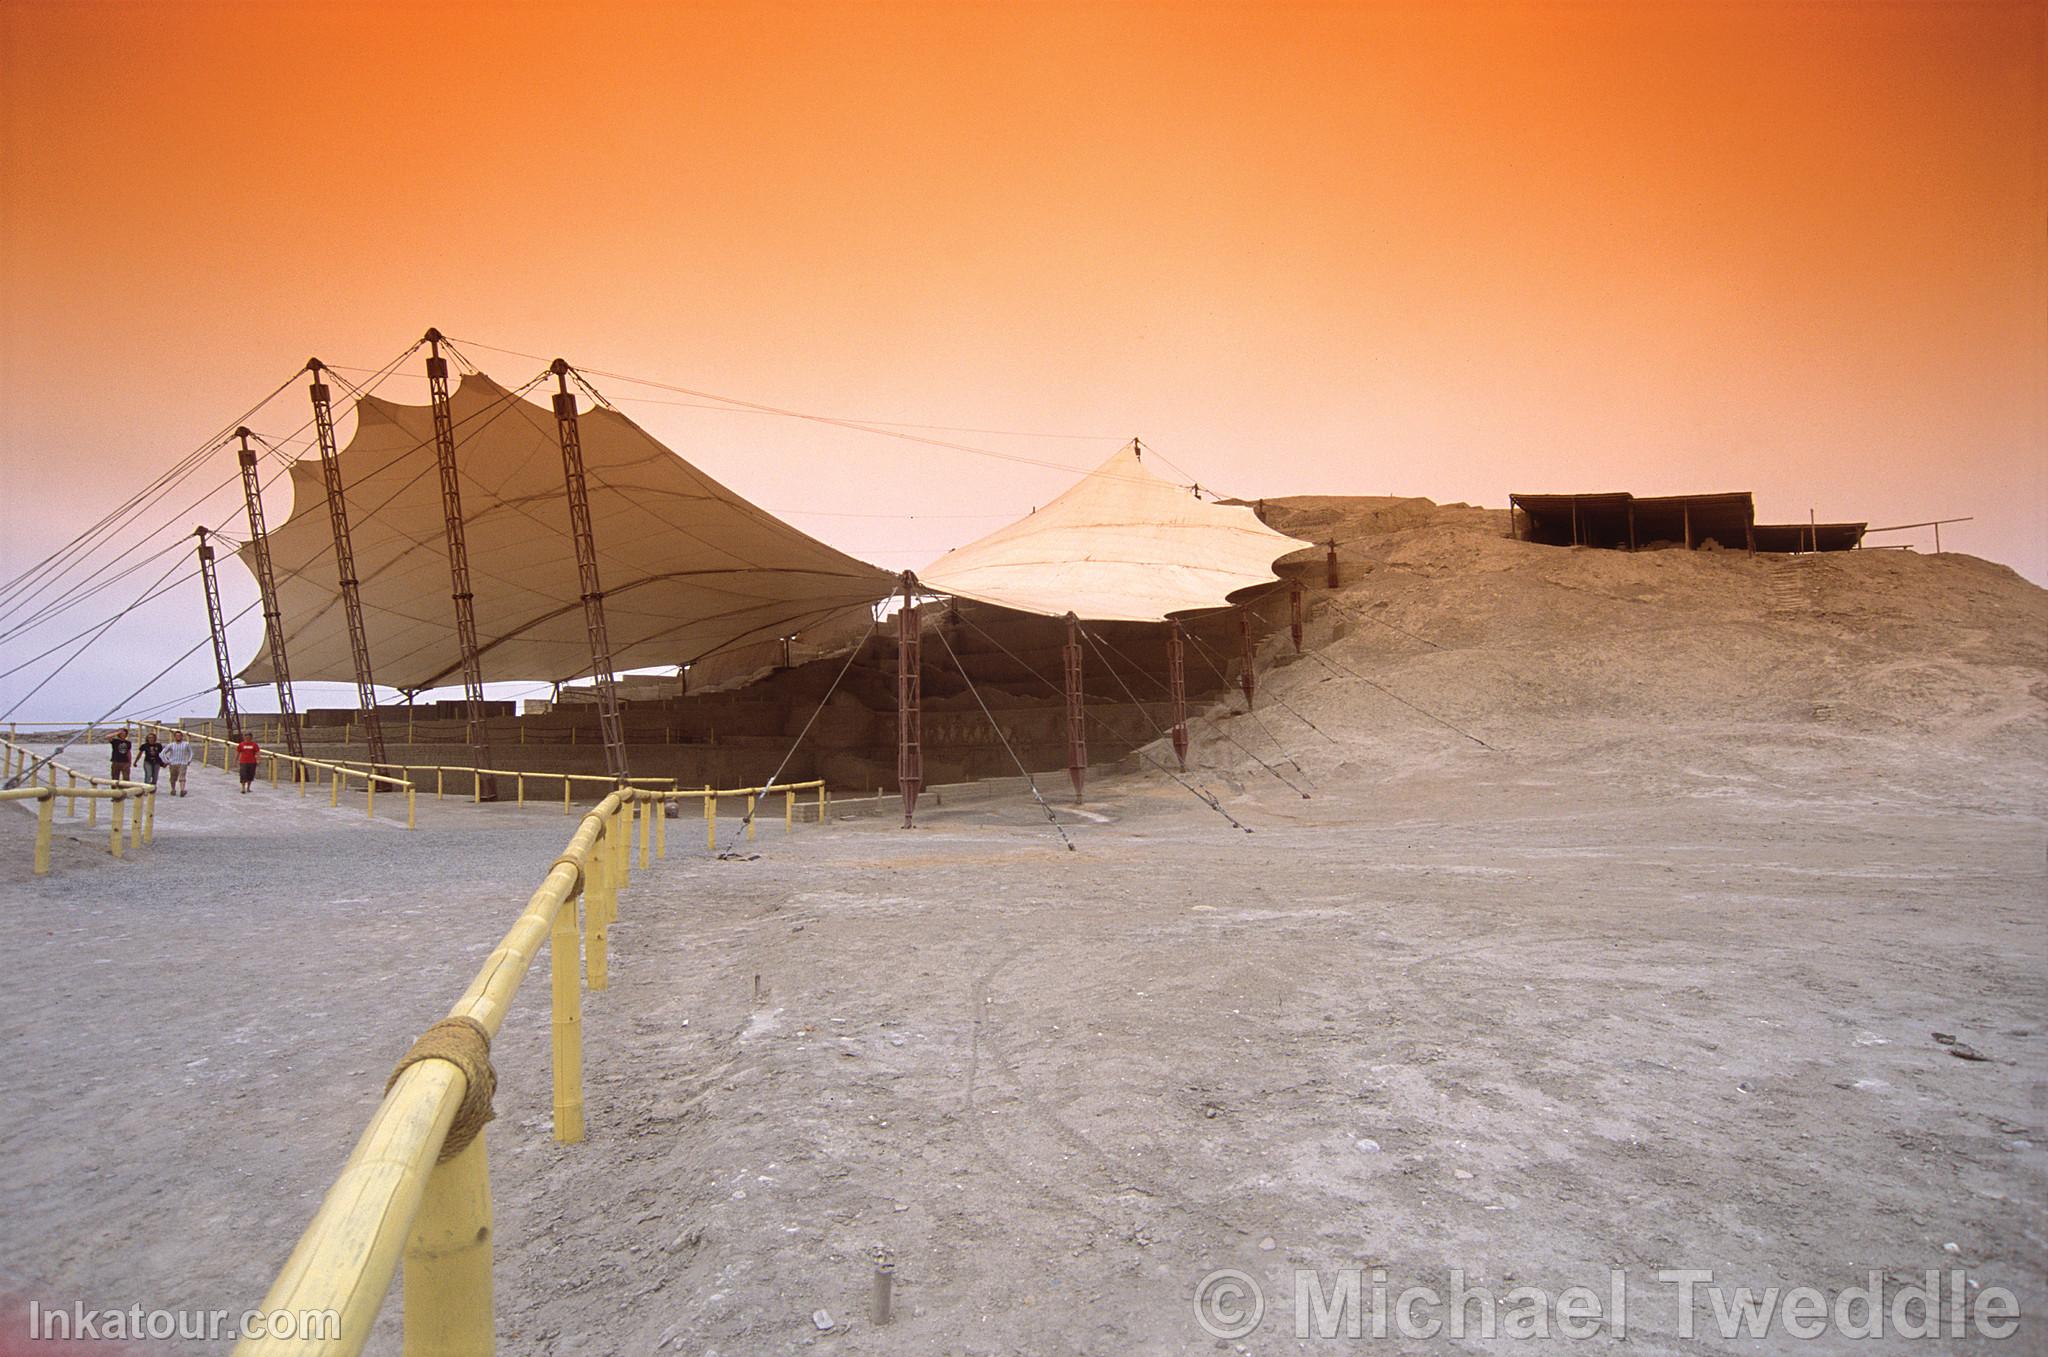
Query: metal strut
(586, 572)
(1077, 739)
(229, 711)
(1246, 679)
(458, 569)
(266, 581)
(909, 701)
(1177, 691)
(345, 564)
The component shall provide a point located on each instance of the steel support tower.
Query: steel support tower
(586, 572)
(458, 569)
(266, 581)
(1177, 691)
(230, 712)
(909, 701)
(1077, 736)
(345, 565)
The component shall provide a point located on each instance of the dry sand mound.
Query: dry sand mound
(1599, 657)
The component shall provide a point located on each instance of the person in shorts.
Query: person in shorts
(247, 753)
(178, 758)
(121, 749)
(152, 751)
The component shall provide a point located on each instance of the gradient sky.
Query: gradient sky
(1443, 250)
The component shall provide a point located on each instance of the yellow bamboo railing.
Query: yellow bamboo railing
(394, 1198)
(307, 770)
(17, 760)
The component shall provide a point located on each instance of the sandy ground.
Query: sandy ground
(1638, 983)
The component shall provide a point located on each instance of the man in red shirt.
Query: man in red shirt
(246, 755)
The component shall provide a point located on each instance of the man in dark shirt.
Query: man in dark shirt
(121, 747)
(152, 752)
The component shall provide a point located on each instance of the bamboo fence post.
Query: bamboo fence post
(71, 807)
(821, 803)
(564, 966)
(661, 830)
(646, 830)
(411, 815)
(370, 795)
(334, 786)
(565, 794)
(46, 807)
(750, 816)
(114, 806)
(710, 818)
(621, 841)
(92, 804)
(788, 810)
(597, 893)
(440, 781)
(135, 821)
(149, 813)
(447, 1273)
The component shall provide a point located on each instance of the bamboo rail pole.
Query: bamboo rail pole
(349, 1253)
(710, 819)
(750, 817)
(646, 831)
(788, 810)
(661, 830)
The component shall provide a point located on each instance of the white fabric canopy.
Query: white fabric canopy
(1120, 545)
(687, 566)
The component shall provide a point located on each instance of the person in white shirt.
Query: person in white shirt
(177, 758)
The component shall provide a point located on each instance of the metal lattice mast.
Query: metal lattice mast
(458, 568)
(909, 701)
(345, 564)
(1177, 690)
(266, 581)
(229, 711)
(586, 572)
(1077, 738)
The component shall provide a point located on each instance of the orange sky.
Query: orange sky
(1423, 249)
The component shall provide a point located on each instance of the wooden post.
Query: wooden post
(411, 816)
(565, 795)
(45, 809)
(821, 803)
(1077, 734)
(661, 830)
(71, 806)
(710, 819)
(565, 965)
(646, 832)
(520, 783)
(447, 1273)
(370, 795)
(114, 834)
(750, 815)
(788, 810)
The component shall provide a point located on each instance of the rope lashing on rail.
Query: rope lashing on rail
(463, 1043)
(573, 865)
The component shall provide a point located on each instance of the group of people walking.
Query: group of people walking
(156, 756)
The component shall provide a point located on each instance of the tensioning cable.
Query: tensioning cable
(1029, 780)
(851, 655)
